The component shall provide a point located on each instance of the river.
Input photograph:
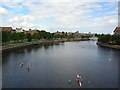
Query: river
(52, 66)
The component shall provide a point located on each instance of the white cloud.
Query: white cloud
(3, 11)
(22, 21)
(12, 0)
(113, 21)
(65, 13)
(26, 18)
(105, 21)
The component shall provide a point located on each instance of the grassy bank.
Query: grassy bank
(40, 42)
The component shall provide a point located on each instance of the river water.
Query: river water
(52, 66)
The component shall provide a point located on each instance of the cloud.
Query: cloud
(12, 0)
(66, 13)
(14, 5)
(25, 21)
(3, 11)
(80, 15)
(21, 18)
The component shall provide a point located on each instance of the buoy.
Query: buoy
(109, 59)
(89, 81)
(69, 81)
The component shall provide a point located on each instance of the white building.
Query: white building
(19, 30)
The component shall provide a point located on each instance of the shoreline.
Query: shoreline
(41, 42)
(108, 45)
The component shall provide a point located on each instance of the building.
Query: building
(58, 33)
(31, 32)
(117, 31)
(77, 35)
(69, 34)
(6, 29)
(19, 30)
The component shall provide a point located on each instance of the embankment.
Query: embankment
(108, 45)
(42, 42)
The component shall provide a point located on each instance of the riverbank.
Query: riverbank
(108, 45)
(41, 42)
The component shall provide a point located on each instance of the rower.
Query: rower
(21, 64)
(78, 77)
(28, 69)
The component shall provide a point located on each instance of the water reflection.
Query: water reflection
(46, 46)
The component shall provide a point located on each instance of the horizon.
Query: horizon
(59, 31)
(60, 15)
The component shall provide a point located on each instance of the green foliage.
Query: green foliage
(104, 38)
(85, 36)
(29, 37)
(111, 39)
(6, 37)
(36, 36)
(22, 36)
(13, 37)
(97, 35)
(115, 39)
(18, 37)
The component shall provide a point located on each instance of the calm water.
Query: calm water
(53, 65)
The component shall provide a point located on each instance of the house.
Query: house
(6, 29)
(69, 34)
(13, 31)
(117, 31)
(77, 35)
(18, 30)
(58, 33)
(31, 32)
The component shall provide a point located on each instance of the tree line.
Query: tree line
(109, 39)
(17, 37)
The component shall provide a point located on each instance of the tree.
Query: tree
(115, 39)
(15, 37)
(29, 37)
(104, 38)
(6, 37)
(22, 36)
(111, 39)
(36, 36)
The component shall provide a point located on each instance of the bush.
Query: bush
(104, 38)
(111, 39)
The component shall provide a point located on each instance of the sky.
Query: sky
(95, 16)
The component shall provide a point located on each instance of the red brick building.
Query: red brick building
(117, 31)
(6, 29)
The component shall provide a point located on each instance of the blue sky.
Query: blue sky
(94, 16)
